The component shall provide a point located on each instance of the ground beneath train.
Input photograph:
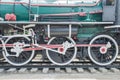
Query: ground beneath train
(43, 74)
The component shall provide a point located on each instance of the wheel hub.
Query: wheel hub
(17, 48)
(103, 50)
(61, 49)
(66, 45)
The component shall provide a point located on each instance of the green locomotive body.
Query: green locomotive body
(64, 29)
(70, 10)
(56, 11)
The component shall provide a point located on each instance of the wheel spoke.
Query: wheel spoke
(62, 59)
(100, 58)
(107, 57)
(23, 58)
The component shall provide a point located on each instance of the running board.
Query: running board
(111, 27)
(44, 23)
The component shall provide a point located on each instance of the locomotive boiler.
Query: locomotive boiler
(60, 30)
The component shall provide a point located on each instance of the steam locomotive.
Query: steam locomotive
(60, 30)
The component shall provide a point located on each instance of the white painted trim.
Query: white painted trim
(114, 26)
(48, 26)
(70, 31)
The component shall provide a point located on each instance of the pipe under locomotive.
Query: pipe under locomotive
(63, 30)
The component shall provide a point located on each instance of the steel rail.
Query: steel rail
(4, 65)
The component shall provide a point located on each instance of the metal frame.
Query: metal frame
(46, 23)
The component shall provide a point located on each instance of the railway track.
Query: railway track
(46, 67)
(61, 73)
(77, 66)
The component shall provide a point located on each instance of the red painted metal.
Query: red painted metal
(10, 17)
(7, 17)
(53, 46)
(74, 13)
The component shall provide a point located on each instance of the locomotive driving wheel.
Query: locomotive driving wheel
(15, 54)
(65, 54)
(104, 55)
